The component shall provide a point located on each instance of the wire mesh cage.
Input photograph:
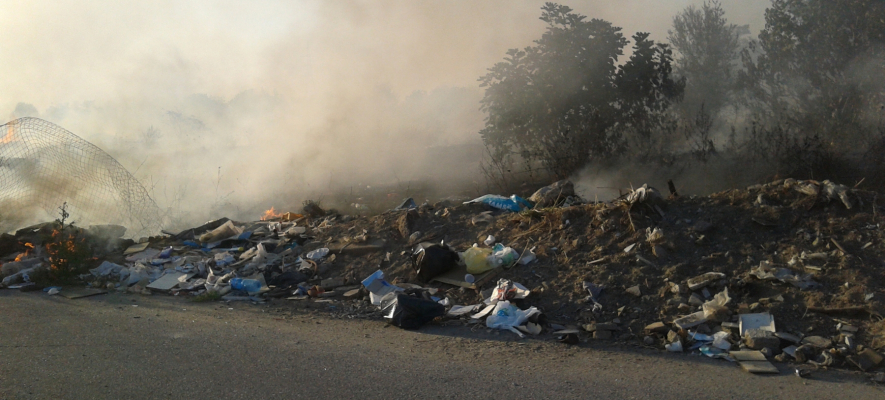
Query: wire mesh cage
(43, 166)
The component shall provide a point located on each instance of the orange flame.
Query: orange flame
(21, 256)
(270, 214)
(9, 134)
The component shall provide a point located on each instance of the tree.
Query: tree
(707, 51)
(559, 102)
(820, 66)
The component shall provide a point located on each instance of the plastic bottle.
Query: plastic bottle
(502, 256)
(249, 285)
(477, 260)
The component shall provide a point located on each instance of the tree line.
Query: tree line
(802, 98)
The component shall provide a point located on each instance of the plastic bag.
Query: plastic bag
(477, 261)
(507, 316)
(410, 312)
(317, 254)
(430, 260)
(136, 274)
(513, 203)
(717, 304)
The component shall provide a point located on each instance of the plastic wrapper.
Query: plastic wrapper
(430, 260)
(410, 312)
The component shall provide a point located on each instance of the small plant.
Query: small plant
(68, 253)
(208, 296)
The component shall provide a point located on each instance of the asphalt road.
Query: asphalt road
(120, 346)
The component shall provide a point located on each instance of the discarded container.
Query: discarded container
(489, 240)
(378, 287)
(675, 347)
(507, 290)
(528, 257)
(249, 285)
(166, 253)
(222, 232)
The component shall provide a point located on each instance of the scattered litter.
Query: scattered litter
(766, 272)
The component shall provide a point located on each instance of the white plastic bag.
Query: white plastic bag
(507, 316)
(717, 304)
(137, 273)
(317, 254)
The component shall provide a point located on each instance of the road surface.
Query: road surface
(119, 346)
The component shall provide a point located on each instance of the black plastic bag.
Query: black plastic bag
(410, 312)
(431, 260)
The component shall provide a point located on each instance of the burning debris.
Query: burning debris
(702, 276)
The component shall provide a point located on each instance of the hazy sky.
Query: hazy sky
(68, 51)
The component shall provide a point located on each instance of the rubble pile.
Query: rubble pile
(789, 271)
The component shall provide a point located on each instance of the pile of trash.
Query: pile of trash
(788, 271)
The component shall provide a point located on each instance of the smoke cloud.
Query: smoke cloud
(226, 108)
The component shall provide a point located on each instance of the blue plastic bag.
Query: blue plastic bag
(513, 203)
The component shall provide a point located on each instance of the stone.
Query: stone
(351, 293)
(817, 341)
(695, 300)
(656, 327)
(703, 328)
(704, 280)
(788, 337)
(866, 359)
(648, 340)
(690, 320)
(604, 335)
(754, 362)
(634, 290)
(331, 283)
(606, 326)
(757, 339)
(672, 336)
(850, 342)
(683, 307)
(767, 352)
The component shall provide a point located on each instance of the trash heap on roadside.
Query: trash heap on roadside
(789, 271)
